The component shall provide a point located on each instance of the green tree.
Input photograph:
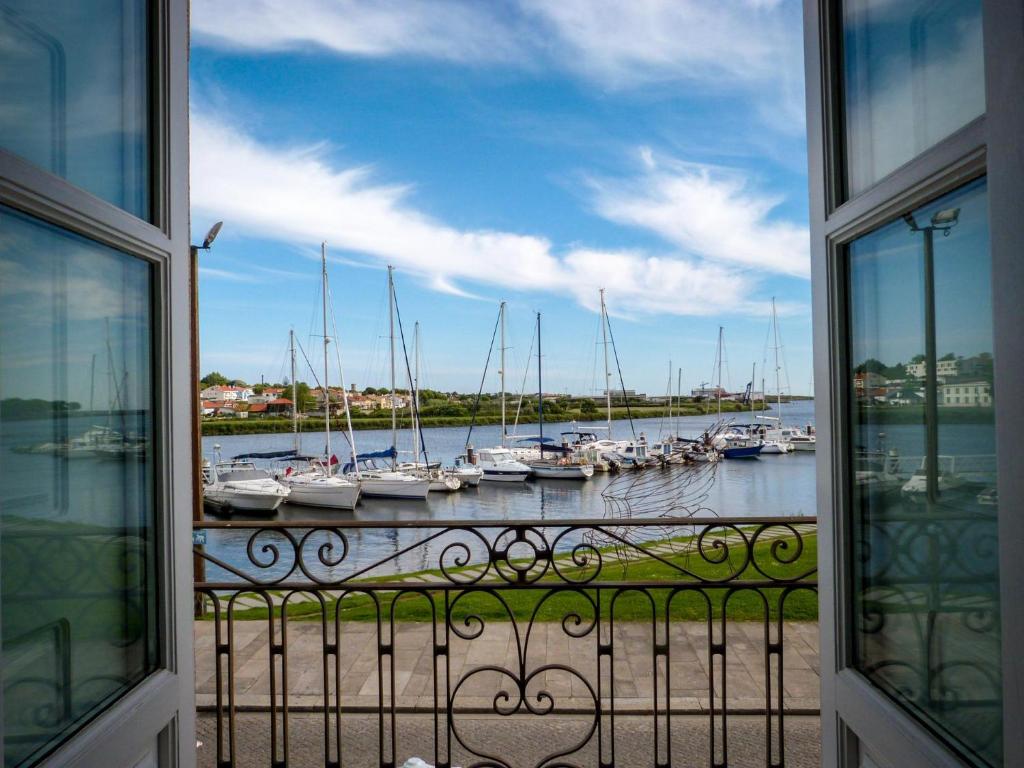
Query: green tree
(306, 401)
(214, 379)
(259, 389)
(588, 407)
(370, 391)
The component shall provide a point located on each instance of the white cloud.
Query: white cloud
(748, 46)
(709, 212)
(442, 29)
(294, 195)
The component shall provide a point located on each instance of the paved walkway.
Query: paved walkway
(548, 643)
(516, 741)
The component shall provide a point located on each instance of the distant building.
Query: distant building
(708, 393)
(226, 394)
(966, 393)
(943, 369)
(868, 384)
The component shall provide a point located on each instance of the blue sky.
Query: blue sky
(526, 151)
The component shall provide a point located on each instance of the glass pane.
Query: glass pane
(912, 75)
(77, 557)
(926, 613)
(74, 79)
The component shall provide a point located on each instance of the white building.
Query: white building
(965, 394)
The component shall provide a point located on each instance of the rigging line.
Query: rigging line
(341, 374)
(483, 379)
(622, 384)
(522, 387)
(408, 371)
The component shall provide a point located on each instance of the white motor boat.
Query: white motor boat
(316, 488)
(499, 465)
(775, 447)
(240, 486)
(468, 475)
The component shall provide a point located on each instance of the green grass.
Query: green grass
(548, 605)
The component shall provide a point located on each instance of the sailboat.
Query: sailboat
(794, 438)
(734, 442)
(389, 482)
(318, 486)
(442, 479)
(565, 467)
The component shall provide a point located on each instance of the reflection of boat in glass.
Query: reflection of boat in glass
(917, 485)
(989, 497)
(876, 472)
(239, 485)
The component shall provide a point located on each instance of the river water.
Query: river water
(776, 485)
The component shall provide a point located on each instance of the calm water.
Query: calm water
(773, 485)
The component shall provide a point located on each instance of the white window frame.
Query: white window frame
(154, 722)
(859, 724)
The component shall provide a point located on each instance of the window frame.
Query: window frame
(157, 716)
(857, 720)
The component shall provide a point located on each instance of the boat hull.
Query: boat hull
(569, 472)
(744, 452)
(243, 501)
(803, 446)
(395, 489)
(504, 476)
(331, 496)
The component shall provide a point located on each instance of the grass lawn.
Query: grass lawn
(554, 601)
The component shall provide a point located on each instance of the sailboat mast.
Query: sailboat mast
(718, 386)
(607, 373)
(778, 386)
(501, 313)
(327, 341)
(679, 395)
(295, 390)
(670, 421)
(416, 391)
(391, 327)
(753, 378)
(540, 392)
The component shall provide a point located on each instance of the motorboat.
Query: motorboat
(441, 479)
(499, 465)
(561, 469)
(468, 475)
(240, 486)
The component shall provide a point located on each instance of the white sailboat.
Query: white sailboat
(564, 467)
(498, 464)
(441, 479)
(390, 483)
(794, 438)
(318, 486)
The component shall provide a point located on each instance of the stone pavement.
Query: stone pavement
(547, 643)
(517, 741)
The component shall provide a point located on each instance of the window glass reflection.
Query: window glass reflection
(74, 79)
(926, 613)
(912, 75)
(77, 578)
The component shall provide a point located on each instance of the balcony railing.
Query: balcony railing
(500, 643)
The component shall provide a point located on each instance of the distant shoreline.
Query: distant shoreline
(276, 425)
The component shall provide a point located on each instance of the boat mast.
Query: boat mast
(778, 386)
(753, 378)
(540, 393)
(295, 390)
(391, 326)
(670, 421)
(416, 391)
(719, 386)
(327, 341)
(679, 395)
(501, 314)
(607, 373)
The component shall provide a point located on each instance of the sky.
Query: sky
(520, 150)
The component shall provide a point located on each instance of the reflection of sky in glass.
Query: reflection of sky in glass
(912, 75)
(75, 99)
(887, 285)
(65, 298)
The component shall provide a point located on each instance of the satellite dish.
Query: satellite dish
(212, 235)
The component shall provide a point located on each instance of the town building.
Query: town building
(966, 393)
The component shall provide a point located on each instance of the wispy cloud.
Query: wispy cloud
(441, 29)
(295, 195)
(751, 47)
(706, 211)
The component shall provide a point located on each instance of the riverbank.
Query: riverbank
(273, 425)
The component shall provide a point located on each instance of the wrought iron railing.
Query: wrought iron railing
(602, 622)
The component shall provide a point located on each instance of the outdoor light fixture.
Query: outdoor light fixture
(942, 221)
